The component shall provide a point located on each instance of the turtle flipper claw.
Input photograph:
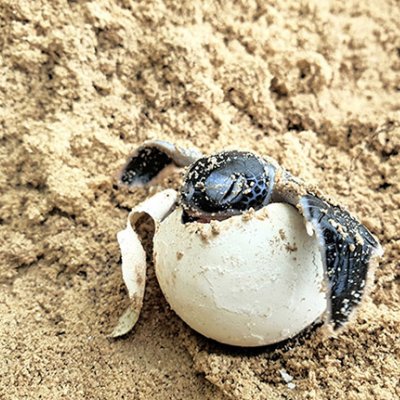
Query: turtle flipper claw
(151, 158)
(347, 248)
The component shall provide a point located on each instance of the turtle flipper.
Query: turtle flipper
(151, 158)
(347, 248)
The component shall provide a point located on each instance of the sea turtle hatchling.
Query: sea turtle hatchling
(246, 253)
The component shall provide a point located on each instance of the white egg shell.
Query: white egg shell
(255, 282)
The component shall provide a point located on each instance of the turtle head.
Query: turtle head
(225, 184)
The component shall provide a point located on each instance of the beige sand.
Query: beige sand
(316, 86)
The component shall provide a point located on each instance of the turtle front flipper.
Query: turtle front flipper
(151, 158)
(347, 249)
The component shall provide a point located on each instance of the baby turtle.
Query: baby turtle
(230, 183)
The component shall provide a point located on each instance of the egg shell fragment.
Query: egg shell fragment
(242, 281)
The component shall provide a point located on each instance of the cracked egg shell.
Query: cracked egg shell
(242, 281)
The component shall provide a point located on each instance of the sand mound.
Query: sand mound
(83, 83)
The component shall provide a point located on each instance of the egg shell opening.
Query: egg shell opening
(242, 281)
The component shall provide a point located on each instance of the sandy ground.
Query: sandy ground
(314, 84)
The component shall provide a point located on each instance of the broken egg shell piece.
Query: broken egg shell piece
(134, 256)
(251, 282)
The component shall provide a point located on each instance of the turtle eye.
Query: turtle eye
(227, 183)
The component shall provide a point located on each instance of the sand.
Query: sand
(316, 85)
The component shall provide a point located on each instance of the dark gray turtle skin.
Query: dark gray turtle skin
(226, 184)
(231, 182)
(151, 158)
